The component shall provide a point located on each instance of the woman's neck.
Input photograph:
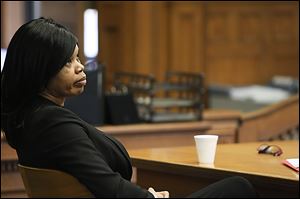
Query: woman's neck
(57, 100)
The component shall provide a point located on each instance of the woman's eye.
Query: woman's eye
(69, 62)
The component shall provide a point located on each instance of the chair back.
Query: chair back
(187, 88)
(141, 86)
(41, 183)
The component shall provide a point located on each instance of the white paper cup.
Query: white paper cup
(206, 148)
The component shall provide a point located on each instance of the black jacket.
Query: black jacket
(54, 137)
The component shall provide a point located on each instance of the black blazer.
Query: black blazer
(54, 137)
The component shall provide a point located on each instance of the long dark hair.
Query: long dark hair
(36, 53)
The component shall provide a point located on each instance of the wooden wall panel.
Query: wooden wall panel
(134, 37)
(128, 34)
(110, 37)
(230, 42)
(283, 43)
(143, 37)
(186, 33)
(251, 42)
(12, 17)
(160, 33)
(150, 38)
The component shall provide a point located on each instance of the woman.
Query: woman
(41, 70)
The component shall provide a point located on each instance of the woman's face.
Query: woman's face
(70, 80)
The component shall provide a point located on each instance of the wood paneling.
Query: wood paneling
(231, 43)
(133, 37)
(251, 42)
(12, 17)
(112, 37)
(186, 47)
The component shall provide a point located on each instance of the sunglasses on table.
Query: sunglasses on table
(270, 149)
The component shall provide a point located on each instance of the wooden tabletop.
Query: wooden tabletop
(236, 158)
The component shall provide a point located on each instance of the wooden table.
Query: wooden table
(176, 168)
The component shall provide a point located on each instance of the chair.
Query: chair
(49, 183)
(141, 86)
(185, 85)
(137, 83)
(183, 97)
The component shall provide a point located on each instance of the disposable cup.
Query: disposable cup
(206, 148)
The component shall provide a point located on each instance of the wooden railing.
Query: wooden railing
(272, 122)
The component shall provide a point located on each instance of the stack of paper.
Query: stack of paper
(292, 163)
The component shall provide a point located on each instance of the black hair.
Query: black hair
(36, 53)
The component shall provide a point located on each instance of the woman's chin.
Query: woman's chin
(80, 91)
(77, 91)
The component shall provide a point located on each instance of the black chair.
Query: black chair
(131, 86)
(120, 108)
(183, 97)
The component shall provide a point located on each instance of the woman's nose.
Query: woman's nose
(80, 68)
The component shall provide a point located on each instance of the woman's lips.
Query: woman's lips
(80, 83)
